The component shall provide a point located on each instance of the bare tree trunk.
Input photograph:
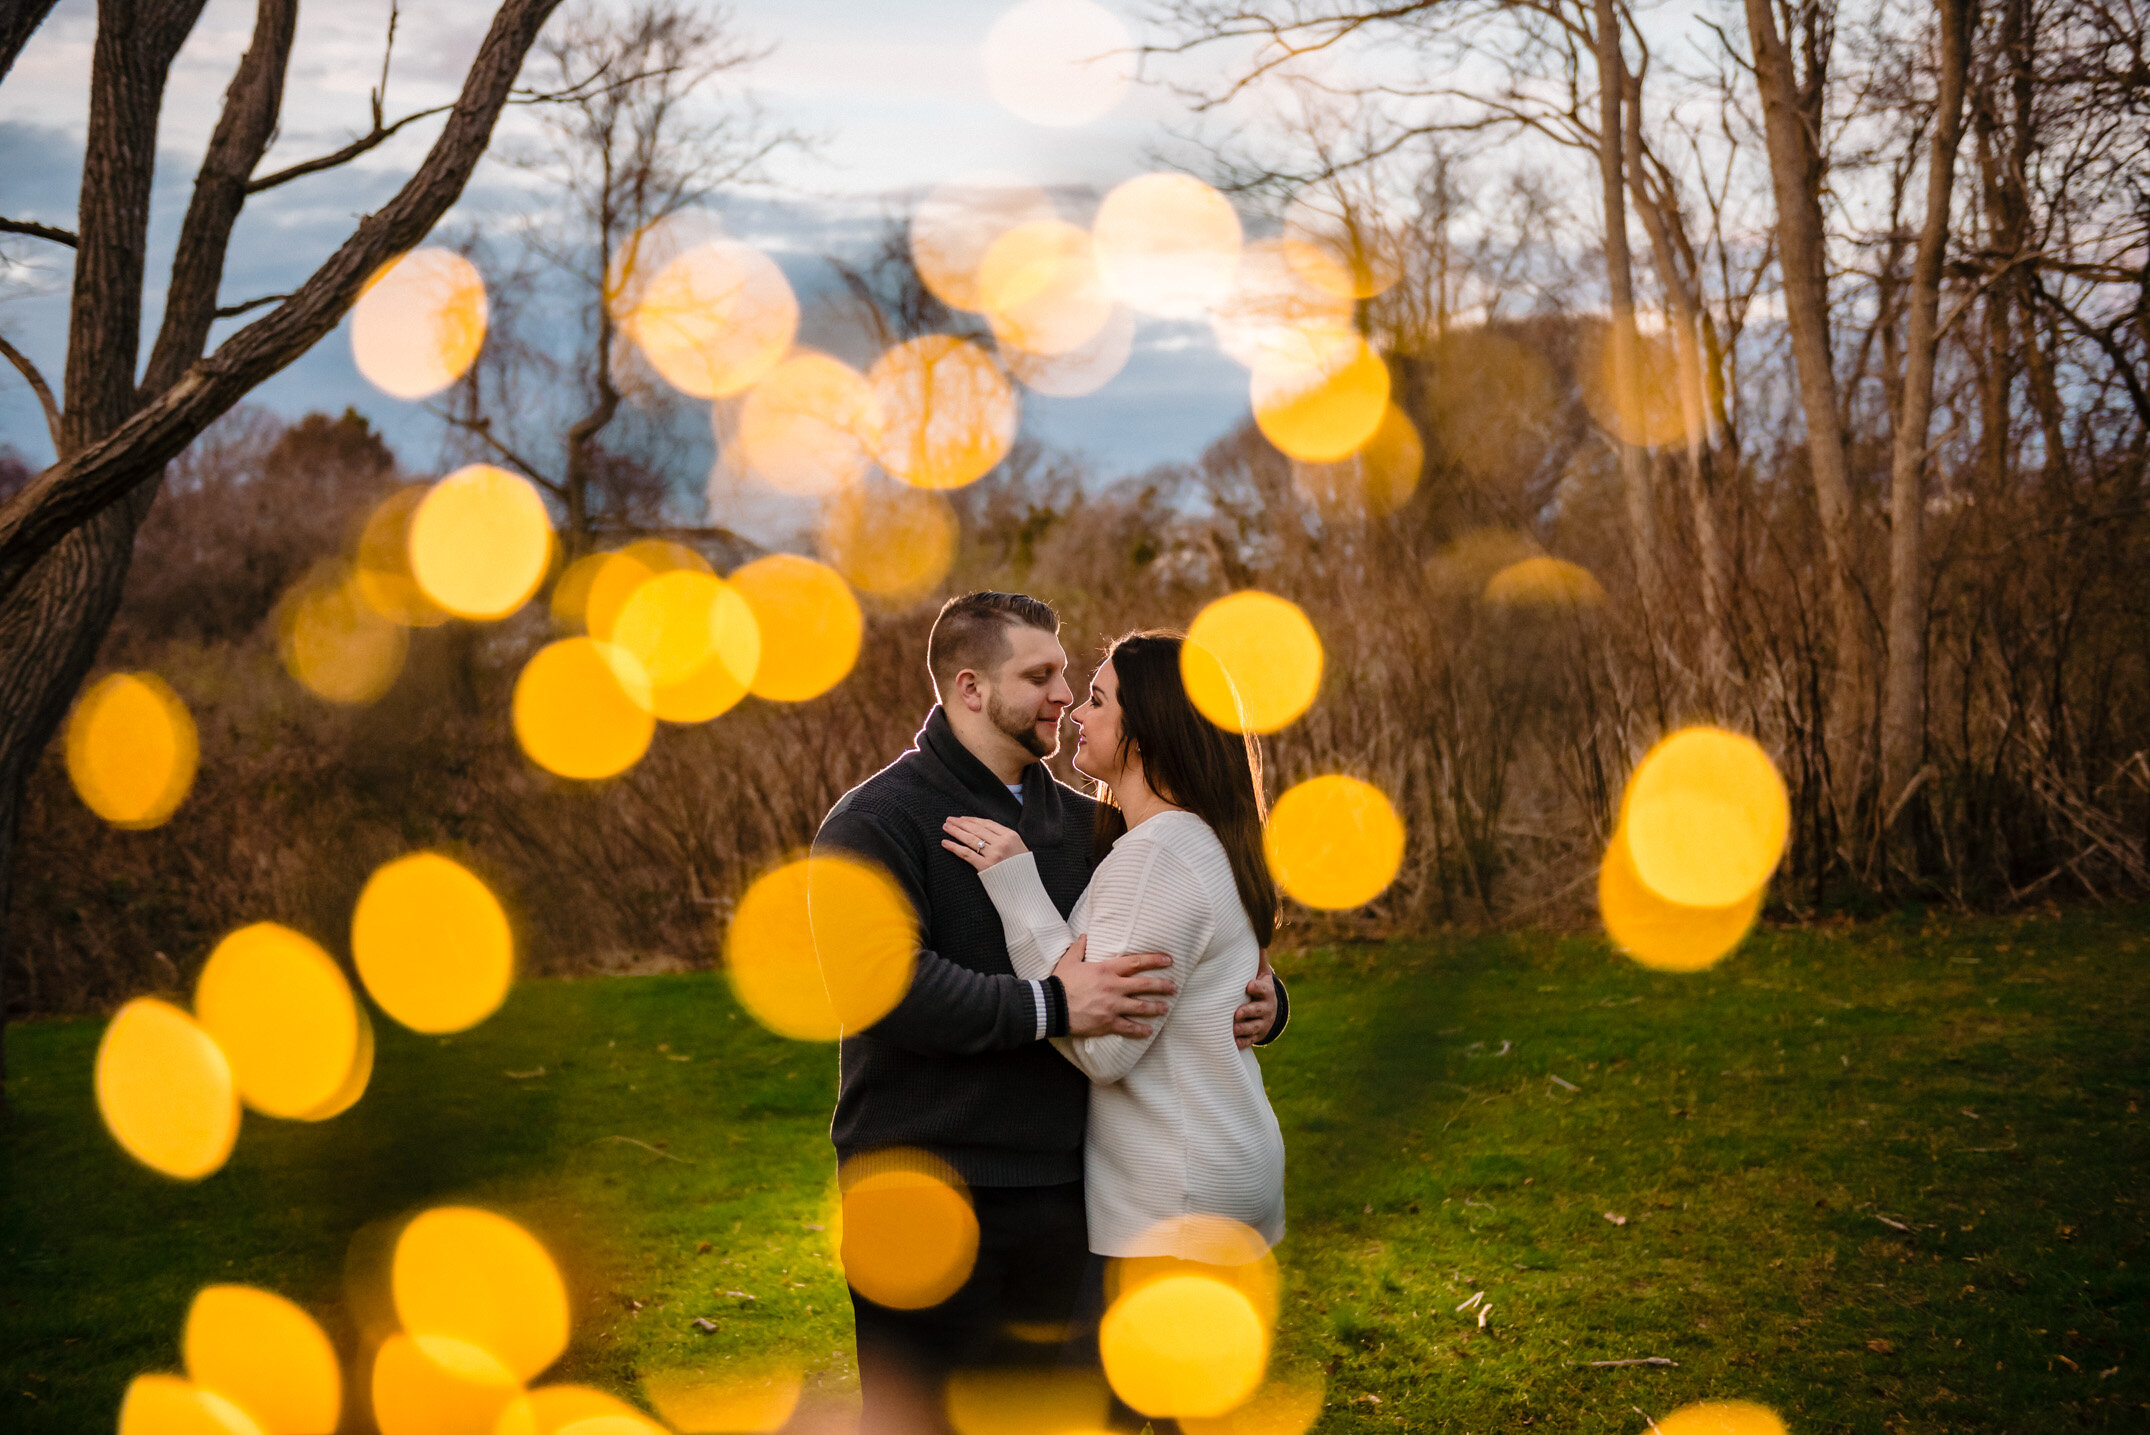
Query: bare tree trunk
(1792, 115)
(1903, 725)
(1620, 280)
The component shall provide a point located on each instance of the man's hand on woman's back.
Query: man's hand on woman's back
(1104, 998)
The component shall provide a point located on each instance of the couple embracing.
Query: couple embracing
(1091, 975)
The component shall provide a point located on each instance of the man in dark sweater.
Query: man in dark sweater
(961, 1068)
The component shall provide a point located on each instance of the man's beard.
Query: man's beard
(1023, 727)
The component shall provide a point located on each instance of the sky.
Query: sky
(894, 96)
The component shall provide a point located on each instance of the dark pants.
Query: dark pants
(1033, 1245)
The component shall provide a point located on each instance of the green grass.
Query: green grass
(1769, 1130)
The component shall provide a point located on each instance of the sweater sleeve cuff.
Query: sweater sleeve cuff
(1056, 1007)
(1018, 892)
(1276, 1028)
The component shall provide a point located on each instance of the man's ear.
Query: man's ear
(969, 691)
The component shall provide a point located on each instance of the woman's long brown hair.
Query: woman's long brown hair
(1191, 762)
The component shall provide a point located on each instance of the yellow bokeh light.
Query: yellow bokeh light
(553, 1408)
(1269, 303)
(570, 600)
(1543, 582)
(889, 540)
(267, 1356)
(1645, 409)
(165, 1090)
(1334, 842)
(1252, 662)
(478, 1277)
(432, 944)
(438, 1385)
(1722, 1417)
(1340, 247)
(1040, 290)
(1082, 370)
(284, 1015)
(1167, 244)
(943, 414)
(333, 639)
(1706, 817)
(354, 1082)
(132, 749)
(384, 562)
(419, 323)
(734, 1404)
(1280, 1407)
(909, 1236)
(956, 224)
(810, 625)
(1373, 482)
(1184, 1345)
(646, 253)
(614, 1425)
(1319, 395)
(716, 319)
(583, 709)
(697, 641)
(1664, 935)
(1213, 1246)
(614, 578)
(800, 427)
(1026, 1401)
(167, 1405)
(820, 946)
(480, 542)
(1058, 63)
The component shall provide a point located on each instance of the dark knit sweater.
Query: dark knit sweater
(957, 1068)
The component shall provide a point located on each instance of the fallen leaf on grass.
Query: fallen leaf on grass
(705, 1325)
(1476, 1297)
(1616, 1219)
(1562, 1082)
(1880, 1346)
(1365, 1400)
(702, 1248)
(741, 1294)
(1484, 1311)
(523, 1075)
(2064, 1360)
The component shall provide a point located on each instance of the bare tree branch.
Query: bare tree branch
(233, 311)
(39, 231)
(18, 22)
(37, 384)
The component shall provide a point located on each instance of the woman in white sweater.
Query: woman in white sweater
(1179, 1124)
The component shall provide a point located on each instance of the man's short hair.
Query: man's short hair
(972, 632)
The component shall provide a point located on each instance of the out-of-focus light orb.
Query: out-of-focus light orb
(384, 562)
(419, 323)
(284, 1015)
(1542, 582)
(909, 1235)
(432, 944)
(1082, 370)
(165, 1090)
(1706, 817)
(439, 1385)
(553, 1408)
(478, 1277)
(697, 640)
(811, 626)
(645, 254)
(1663, 935)
(1184, 1345)
(1252, 662)
(132, 749)
(583, 709)
(1339, 247)
(167, 1405)
(1018, 1401)
(889, 540)
(614, 1425)
(944, 415)
(1059, 63)
(334, 641)
(744, 1403)
(716, 319)
(821, 946)
(1213, 1246)
(617, 575)
(346, 1096)
(1334, 842)
(1040, 288)
(956, 224)
(1269, 302)
(265, 1354)
(1374, 482)
(1645, 410)
(1280, 1407)
(1167, 244)
(570, 600)
(1722, 1417)
(1463, 565)
(800, 427)
(1320, 394)
(480, 542)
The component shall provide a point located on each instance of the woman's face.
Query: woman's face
(1097, 728)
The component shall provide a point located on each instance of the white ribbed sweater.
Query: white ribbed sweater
(1179, 1123)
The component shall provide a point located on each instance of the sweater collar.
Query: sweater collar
(1038, 816)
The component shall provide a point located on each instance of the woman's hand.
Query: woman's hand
(981, 841)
